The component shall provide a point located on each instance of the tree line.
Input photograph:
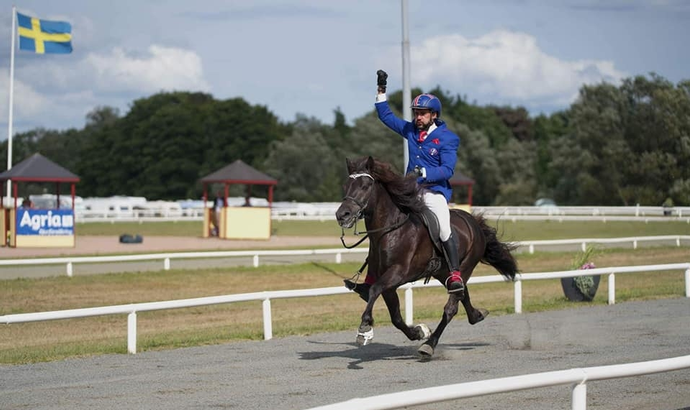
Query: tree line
(615, 145)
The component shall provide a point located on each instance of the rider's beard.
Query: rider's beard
(421, 126)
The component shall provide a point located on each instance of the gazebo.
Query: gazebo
(28, 227)
(460, 180)
(243, 222)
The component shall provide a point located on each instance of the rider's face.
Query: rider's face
(422, 118)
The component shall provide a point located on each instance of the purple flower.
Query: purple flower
(588, 265)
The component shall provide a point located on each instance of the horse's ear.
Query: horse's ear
(350, 166)
(370, 163)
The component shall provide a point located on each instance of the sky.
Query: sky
(313, 57)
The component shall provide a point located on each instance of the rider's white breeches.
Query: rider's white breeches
(438, 205)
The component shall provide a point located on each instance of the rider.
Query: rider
(433, 152)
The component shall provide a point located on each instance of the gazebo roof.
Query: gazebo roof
(239, 173)
(38, 168)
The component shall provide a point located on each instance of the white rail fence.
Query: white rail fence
(578, 378)
(326, 212)
(131, 310)
(338, 253)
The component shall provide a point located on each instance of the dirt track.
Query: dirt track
(305, 371)
(104, 245)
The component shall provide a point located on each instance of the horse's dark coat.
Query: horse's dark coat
(382, 197)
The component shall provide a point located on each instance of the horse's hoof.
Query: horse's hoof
(364, 336)
(423, 331)
(483, 313)
(425, 352)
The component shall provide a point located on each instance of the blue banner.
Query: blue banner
(45, 222)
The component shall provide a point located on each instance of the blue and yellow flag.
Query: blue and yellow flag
(43, 36)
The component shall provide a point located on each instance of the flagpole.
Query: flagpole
(9, 118)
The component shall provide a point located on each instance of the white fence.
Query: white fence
(577, 377)
(326, 212)
(265, 297)
(338, 253)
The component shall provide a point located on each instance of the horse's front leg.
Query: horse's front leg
(390, 280)
(365, 333)
(419, 332)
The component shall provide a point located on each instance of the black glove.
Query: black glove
(381, 78)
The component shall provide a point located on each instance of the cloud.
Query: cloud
(27, 102)
(162, 68)
(504, 67)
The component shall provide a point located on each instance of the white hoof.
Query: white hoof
(363, 338)
(426, 332)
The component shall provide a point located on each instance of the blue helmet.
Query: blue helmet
(427, 102)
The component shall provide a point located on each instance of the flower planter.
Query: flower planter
(581, 288)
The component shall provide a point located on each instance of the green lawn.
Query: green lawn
(511, 231)
(55, 340)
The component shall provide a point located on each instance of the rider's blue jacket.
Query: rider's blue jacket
(438, 153)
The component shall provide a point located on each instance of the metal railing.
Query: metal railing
(578, 378)
(131, 310)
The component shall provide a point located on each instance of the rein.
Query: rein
(385, 229)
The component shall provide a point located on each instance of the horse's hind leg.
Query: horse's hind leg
(449, 311)
(419, 332)
(474, 315)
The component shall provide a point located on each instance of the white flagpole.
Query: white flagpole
(9, 118)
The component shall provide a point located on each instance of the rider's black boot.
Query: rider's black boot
(362, 289)
(454, 283)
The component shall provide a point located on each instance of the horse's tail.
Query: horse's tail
(497, 253)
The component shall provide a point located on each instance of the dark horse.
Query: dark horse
(401, 250)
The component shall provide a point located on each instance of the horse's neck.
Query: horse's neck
(385, 212)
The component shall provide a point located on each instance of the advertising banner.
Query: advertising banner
(45, 222)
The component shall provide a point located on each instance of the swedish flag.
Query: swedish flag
(43, 36)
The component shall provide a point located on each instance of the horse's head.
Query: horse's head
(357, 188)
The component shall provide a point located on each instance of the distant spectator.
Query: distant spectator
(218, 205)
(27, 204)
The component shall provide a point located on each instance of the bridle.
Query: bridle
(362, 206)
(360, 211)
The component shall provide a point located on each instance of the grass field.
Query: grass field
(520, 230)
(54, 340)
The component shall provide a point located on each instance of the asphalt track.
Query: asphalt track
(302, 372)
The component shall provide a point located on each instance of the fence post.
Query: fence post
(338, 257)
(579, 396)
(634, 243)
(132, 333)
(408, 307)
(70, 269)
(531, 248)
(687, 283)
(166, 264)
(584, 246)
(268, 325)
(612, 288)
(518, 295)
(256, 261)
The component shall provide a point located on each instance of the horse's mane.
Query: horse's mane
(403, 190)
